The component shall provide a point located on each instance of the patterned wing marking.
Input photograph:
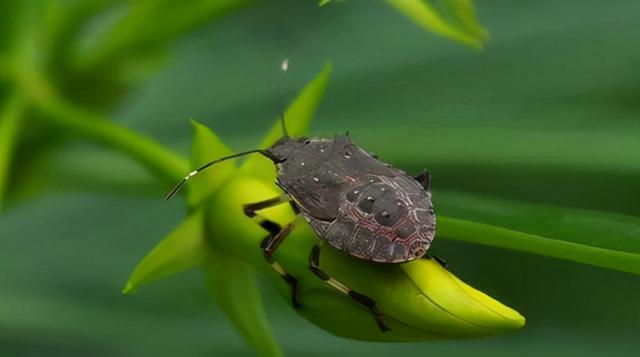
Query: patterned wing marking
(390, 219)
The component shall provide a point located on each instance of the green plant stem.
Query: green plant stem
(505, 238)
(158, 159)
(11, 115)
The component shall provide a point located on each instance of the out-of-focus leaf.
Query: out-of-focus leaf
(454, 19)
(603, 239)
(17, 18)
(77, 168)
(11, 114)
(234, 287)
(136, 30)
(207, 147)
(297, 116)
(594, 150)
(181, 250)
(80, 121)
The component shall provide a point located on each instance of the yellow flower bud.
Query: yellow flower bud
(420, 300)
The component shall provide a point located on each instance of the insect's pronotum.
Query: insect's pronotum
(352, 200)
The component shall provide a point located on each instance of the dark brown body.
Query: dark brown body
(355, 202)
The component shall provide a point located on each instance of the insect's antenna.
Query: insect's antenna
(284, 66)
(179, 185)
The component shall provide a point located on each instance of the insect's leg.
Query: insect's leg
(269, 245)
(424, 178)
(250, 209)
(314, 265)
(437, 259)
(277, 234)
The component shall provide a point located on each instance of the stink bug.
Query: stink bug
(352, 200)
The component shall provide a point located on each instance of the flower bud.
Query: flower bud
(420, 300)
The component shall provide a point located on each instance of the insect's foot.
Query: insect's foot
(441, 261)
(371, 305)
(381, 325)
(248, 211)
(437, 259)
(294, 301)
(294, 290)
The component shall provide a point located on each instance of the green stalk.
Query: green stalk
(11, 115)
(508, 239)
(67, 116)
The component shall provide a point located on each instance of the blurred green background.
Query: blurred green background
(548, 112)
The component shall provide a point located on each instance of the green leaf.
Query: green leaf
(297, 116)
(454, 19)
(618, 151)
(235, 289)
(80, 121)
(182, 250)
(136, 32)
(11, 114)
(603, 239)
(207, 147)
(324, 2)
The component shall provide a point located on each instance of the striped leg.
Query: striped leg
(314, 265)
(276, 236)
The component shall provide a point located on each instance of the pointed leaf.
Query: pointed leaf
(298, 117)
(135, 32)
(234, 287)
(603, 239)
(207, 147)
(181, 250)
(454, 19)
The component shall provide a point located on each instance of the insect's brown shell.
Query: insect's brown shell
(355, 202)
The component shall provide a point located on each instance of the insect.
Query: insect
(352, 200)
